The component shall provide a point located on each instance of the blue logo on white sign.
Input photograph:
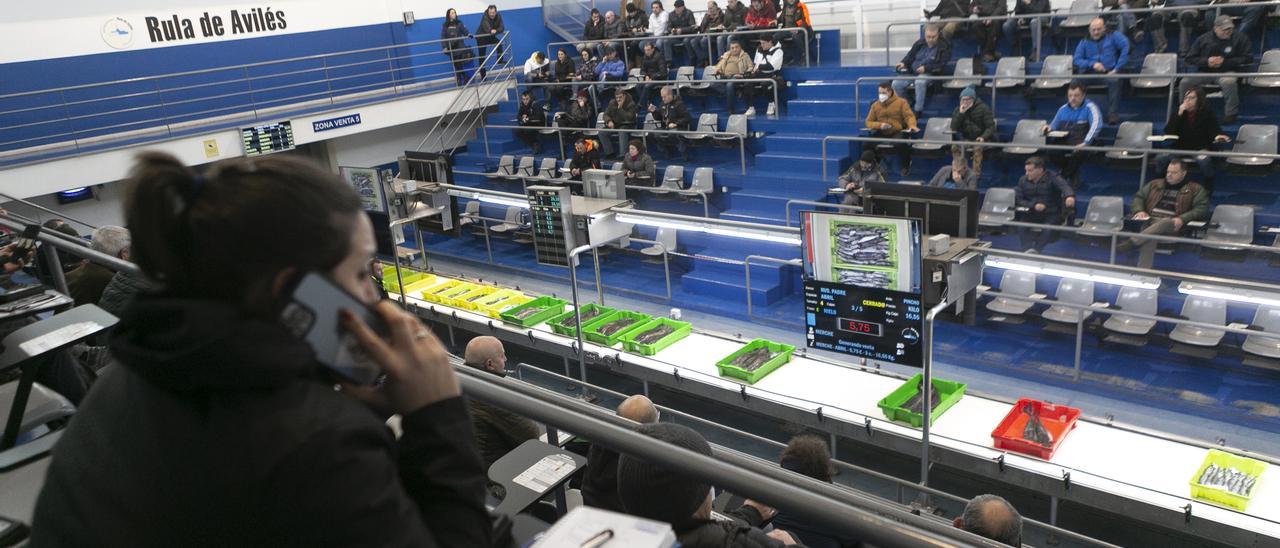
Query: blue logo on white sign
(335, 123)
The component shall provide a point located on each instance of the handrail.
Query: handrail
(219, 69)
(492, 92)
(742, 139)
(1173, 77)
(78, 249)
(807, 37)
(773, 84)
(1116, 235)
(47, 210)
(1063, 14)
(994, 144)
(706, 208)
(1148, 272)
(503, 45)
(840, 511)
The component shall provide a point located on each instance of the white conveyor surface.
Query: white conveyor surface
(1130, 464)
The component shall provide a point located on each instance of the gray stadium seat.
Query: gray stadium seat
(1138, 301)
(1105, 214)
(43, 406)
(1030, 133)
(1204, 310)
(1054, 65)
(704, 180)
(935, 129)
(1270, 63)
(667, 237)
(506, 168)
(1014, 282)
(672, 179)
(1010, 72)
(1234, 227)
(1078, 15)
(1072, 291)
(1154, 65)
(708, 122)
(704, 84)
(1131, 135)
(547, 168)
(736, 125)
(555, 123)
(1268, 319)
(632, 77)
(514, 220)
(525, 167)
(964, 67)
(599, 125)
(997, 207)
(684, 77)
(1254, 139)
(469, 213)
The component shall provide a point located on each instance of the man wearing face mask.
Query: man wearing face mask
(498, 431)
(890, 116)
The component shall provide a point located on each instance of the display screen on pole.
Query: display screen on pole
(862, 286)
(267, 138)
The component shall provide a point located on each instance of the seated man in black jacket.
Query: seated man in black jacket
(1220, 50)
(621, 114)
(659, 493)
(585, 156)
(653, 66)
(928, 57)
(531, 114)
(600, 478)
(498, 431)
(672, 116)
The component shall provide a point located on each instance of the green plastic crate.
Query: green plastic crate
(950, 392)
(682, 330)
(554, 306)
(590, 333)
(557, 323)
(728, 370)
(1218, 496)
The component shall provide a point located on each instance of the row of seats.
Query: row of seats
(1229, 227)
(1057, 71)
(514, 223)
(1195, 308)
(509, 169)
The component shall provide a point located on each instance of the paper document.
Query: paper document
(546, 473)
(585, 523)
(58, 337)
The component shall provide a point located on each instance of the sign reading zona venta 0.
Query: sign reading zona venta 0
(335, 123)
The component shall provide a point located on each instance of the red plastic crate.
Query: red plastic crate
(1058, 420)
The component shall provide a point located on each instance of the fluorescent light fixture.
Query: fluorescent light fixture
(710, 228)
(500, 200)
(1229, 293)
(1062, 271)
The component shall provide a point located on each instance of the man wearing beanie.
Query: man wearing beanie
(865, 170)
(656, 492)
(972, 121)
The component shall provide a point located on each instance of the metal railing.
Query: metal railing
(1067, 78)
(158, 107)
(1142, 153)
(704, 197)
(448, 129)
(1116, 235)
(1065, 14)
(711, 42)
(679, 84)
(723, 135)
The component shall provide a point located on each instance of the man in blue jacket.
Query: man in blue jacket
(928, 57)
(1077, 124)
(1104, 52)
(611, 69)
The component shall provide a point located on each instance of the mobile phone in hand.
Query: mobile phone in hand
(313, 315)
(24, 246)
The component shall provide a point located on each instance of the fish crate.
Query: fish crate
(501, 300)
(558, 323)
(553, 307)
(471, 299)
(422, 284)
(681, 330)
(410, 277)
(1058, 420)
(589, 329)
(436, 292)
(893, 405)
(1218, 496)
(727, 369)
(456, 297)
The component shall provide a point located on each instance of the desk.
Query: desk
(530, 471)
(1131, 472)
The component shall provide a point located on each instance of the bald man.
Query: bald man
(992, 517)
(498, 431)
(600, 479)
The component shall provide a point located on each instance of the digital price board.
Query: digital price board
(267, 139)
(873, 323)
(551, 213)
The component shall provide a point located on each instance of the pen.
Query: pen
(598, 539)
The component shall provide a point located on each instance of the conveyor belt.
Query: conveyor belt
(1140, 475)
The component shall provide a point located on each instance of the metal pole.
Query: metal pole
(595, 259)
(1079, 342)
(742, 153)
(47, 210)
(483, 129)
(55, 268)
(577, 310)
(927, 386)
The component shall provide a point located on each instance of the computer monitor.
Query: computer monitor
(949, 211)
(604, 183)
(427, 167)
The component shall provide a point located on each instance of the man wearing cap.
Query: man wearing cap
(972, 121)
(865, 170)
(681, 23)
(1103, 52)
(1219, 50)
(661, 493)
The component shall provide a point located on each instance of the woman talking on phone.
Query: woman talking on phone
(219, 427)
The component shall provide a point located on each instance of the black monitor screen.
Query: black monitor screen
(950, 211)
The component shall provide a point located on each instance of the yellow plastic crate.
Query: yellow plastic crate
(500, 300)
(435, 293)
(1218, 496)
(421, 285)
(453, 297)
(471, 299)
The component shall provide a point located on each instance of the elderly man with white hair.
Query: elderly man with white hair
(85, 284)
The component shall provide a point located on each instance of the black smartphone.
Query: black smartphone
(313, 316)
(24, 246)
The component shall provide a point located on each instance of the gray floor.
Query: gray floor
(1124, 411)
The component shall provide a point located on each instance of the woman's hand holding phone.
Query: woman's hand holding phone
(416, 364)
